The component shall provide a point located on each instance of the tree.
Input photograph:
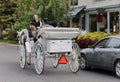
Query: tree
(25, 10)
(54, 10)
(7, 9)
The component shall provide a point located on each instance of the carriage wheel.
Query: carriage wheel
(22, 56)
(55, 61)
(23, 52)
(38, 58)
(73, 60)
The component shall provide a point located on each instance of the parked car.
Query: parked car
(103, 54)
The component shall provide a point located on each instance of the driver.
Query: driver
(32, 36)
(32, 31)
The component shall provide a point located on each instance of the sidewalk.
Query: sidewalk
(7, 44)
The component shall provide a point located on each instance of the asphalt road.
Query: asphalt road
(10, 70)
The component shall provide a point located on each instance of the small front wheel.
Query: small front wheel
(55, 61)
(117, 68)
(38, 58)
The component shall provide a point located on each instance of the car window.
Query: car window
(114, 43)
(102, 43)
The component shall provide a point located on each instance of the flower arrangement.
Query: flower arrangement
(90, 38)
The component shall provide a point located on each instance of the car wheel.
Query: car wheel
(117, 68)
(83, 63)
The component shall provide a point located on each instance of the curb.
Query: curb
(7, 44)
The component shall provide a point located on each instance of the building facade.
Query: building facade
(100, 15)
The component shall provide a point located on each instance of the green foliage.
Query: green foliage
(24, 12)
(7, 9)
(20, 12)
(4, 35)
(20, 25)
(12, 35)
(54, 10)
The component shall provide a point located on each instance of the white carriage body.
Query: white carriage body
(58, 40)
(59, 33)
(56, 46)
(52, 43)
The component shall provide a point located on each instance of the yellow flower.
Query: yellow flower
(93, 36)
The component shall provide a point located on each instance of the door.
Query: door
(111, 51)
(99, 48)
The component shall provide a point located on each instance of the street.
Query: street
(10, 70)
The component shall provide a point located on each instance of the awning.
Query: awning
(103, 8)
(76, 11)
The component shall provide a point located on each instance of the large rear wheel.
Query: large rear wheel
(39, 58)
(73, 59)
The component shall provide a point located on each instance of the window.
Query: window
(102, 43)
(74, 2)
(114, 43)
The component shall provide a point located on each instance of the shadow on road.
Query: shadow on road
(102, 72)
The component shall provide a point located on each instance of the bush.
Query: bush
(90, 38)
(4, 35)
(18, 26)
(12, 36)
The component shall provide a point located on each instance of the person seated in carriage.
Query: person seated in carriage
(46, 23)
(32, 31)
(37, 21)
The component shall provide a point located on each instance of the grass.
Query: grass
(9, 41)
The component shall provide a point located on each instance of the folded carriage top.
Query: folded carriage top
(58, 33)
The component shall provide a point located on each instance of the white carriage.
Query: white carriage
(51, 43)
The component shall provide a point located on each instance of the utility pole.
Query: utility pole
(69, 6)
